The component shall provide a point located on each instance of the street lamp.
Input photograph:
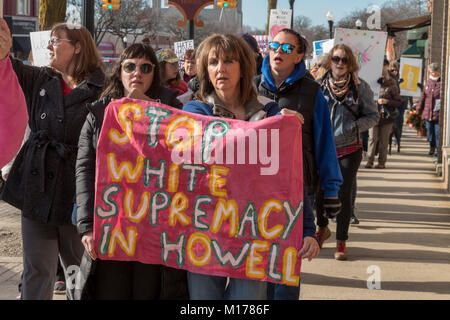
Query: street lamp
(291, 4)
(358, 24)
(330, 19)
(124, 42)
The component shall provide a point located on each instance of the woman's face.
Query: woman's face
(339, 64)
(171, 70)
(62, 52)
(190, 67)
(224, 73)
(280, 61)
(137, 73)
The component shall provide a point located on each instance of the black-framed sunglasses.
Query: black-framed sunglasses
(337, 59)
(130, 67)
(285, 47)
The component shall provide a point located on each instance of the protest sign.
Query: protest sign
(39, 44)
(279, 19)
(205, 194)
(322, 47)
(263, 43)
(180, 47)
(368, 48)
(411, 73)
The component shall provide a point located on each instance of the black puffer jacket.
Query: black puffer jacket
(173, 281)
(42, 179)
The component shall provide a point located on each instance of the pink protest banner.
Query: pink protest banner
(209, 195)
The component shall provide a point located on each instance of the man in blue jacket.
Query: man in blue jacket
(285, 79)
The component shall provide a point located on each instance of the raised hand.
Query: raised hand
(5, 39)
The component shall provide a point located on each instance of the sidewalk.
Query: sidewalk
(404, 233)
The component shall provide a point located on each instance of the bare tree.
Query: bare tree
(51, 12)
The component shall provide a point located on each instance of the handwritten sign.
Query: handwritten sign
(181, 47)
(279, 19)
(39, 43)
(369, 48)
(411, 73)
(204, 194)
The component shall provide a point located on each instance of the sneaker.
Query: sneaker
(60, 287)
(341, 251)
(354, 220)
(322, 235)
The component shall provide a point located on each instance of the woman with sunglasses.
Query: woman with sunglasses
(352, 110)
(41, 182)
(136, 75)
(285, 79)
(226, 67)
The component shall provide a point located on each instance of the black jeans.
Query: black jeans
(349, 165)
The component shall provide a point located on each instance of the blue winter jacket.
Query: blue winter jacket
(272, 109)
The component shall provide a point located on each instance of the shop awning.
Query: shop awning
(408, 24)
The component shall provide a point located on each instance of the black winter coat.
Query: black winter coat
(173, 281)
(42, 179)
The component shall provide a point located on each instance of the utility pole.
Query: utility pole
(88, 16)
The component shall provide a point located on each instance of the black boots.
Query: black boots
(432, 150)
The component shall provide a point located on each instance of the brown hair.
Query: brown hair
(352, 65)
(394, 65)
(163, 76)
(114, 86)
(88, 60)
(232, 47)
(189, 54)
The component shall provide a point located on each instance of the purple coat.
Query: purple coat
(427, 102)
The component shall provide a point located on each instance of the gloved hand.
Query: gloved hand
(332, 207)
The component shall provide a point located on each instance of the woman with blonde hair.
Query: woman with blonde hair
(41, 182)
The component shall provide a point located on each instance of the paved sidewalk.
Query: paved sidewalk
(404, 233)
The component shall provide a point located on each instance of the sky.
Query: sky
(255, 11)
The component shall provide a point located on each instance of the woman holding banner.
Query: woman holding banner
(352, 111)
(226, 67)
(136, 75)
(41, 182)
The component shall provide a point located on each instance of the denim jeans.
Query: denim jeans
(433, 132)
(206, 287)
(276, 291)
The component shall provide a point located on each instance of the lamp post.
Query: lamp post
(330, 19)
(124, 42)
(291, 4)
(358, 24)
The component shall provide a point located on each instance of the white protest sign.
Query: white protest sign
(411, 73)
(369, 48)
(279, 19)
(39, 43)
(180, 47)
(322, 47)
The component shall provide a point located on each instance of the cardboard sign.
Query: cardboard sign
(205, 194)
(279, 19)
(39, 43)
(411, 73)
(369, 48)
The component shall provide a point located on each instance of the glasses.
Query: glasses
(285, 47)
(130, 67)
(55, 41)
(337, 59)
